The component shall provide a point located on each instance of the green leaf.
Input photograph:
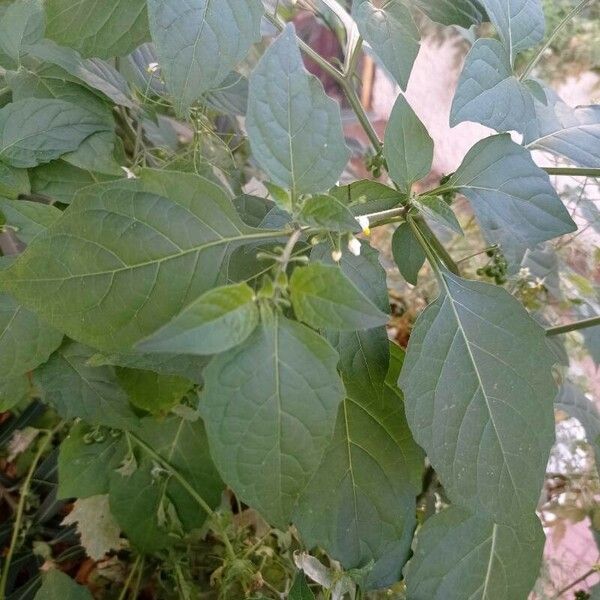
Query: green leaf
(13, 391)
(300, 589)
(474, 356)
(489, 93)
(434, 208)
(151, 391)
(392, 34)
(295, 130)
(13, 182)
(86, 461)
(324, 298)
(366, 196)
(513, 199)
(270, 407)
(113, 28)
(573, 133)
(573, 401)
(519, 23)
(231, 97)
(329, 213)
(99, 75)
(151, 506)
(408, 148)
(28, 219)
(408, 253)
(22, 24)
(25, 341)
(453, 12)
(61, 181)
(58, 586)
(77, 390)
(217, 321)
(461, 556)
(360, 505)
(36, 131)
(199, 42)
(110, 286)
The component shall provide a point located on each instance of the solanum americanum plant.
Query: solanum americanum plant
(193, 313)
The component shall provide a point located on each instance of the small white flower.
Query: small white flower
(524, 272)
(336, 255)
(130, 174)
(354, 246)
(152, 67)
(365, 225)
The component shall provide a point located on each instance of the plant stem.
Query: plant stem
(129, 579)
(431, 255)
(436, 245)
(534, 61)
(574, 583)
(592, 322)
(361, 115)
(24, 492)
(188, 488)
(572, 171)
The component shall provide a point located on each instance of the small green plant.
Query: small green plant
(193, 293)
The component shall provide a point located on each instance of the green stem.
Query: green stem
(572, 171)
(188, 488)
(436, 245)
(534, 61)
(433, 259)
(24, 493)
(361, 115)
(129, 579)
(574, 583)
(592, 322)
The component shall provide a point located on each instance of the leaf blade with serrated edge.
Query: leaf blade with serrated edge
(408, 148)
(323, 297)
(514, 201)
(295, 129)
(199, 42)
(169, 237)
(269, 407)
(478, 372)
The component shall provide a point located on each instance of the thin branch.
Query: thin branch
(577, 325)
(574, 583)
(572, 171)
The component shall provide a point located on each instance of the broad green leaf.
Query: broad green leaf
(86, 460)
(513, 199)
(295, 130)
(408, 148)
(324, 298)
(408, 253)
(35, 131)
(111, 285)
(575, 403)
(270, 407)
(13, 182)
(477, 374)
(48, 81)
(489, 93)
(28, 219)
(22, 24)
(462, 556)
(453, 12)
(198, 42)
(25, 341)
(217, 321)
(573, 133)
(542, 263)
(434, 208)
(58, 586)
(231, 97)
(360, 505)
(366, 196)
(300, 589)
(97, 74)
(77, 390)
(150, 505)
(520, 23)
(364, 355)
(390, 30)
(151, 391)
(112, 28)
(61, 181)
(329, 213)
(13, 391)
